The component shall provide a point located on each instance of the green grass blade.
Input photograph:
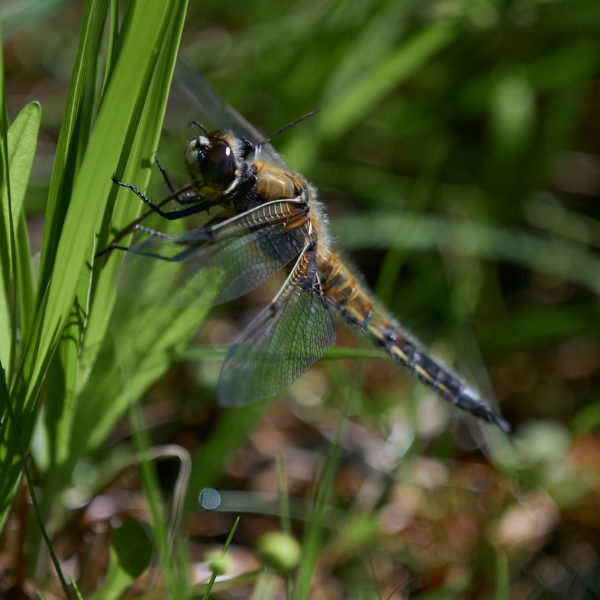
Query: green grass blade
(8, 331)
(73, 139)
(356, 100)
(175, 579)
(573, 262)
(135, 167)
(74, 133)
(137, 350)
(112, 51)
(128, 346)
(121, 105)
(22, 142)
(19, 147)
(79, 427)
(5, 401)
(75, 588)
(214, 575)
(313, 538)
(130, 554)
(502, 578)
(229, 433)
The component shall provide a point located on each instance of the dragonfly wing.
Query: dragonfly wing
(186, 271)
(284, 340)
(218, 113)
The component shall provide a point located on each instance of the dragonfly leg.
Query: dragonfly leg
(288, 212)
(171, 215)
(116, 246)
(165, 175)
(183, 196)
(154, 233)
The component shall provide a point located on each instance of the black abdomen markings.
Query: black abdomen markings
(353, 302)
(344, 292)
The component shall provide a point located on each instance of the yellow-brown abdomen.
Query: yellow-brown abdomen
(354, 301)
(344, 291)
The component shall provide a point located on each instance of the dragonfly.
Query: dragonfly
(263, 217)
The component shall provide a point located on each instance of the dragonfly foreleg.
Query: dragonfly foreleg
(165, 175)
(289, 213)
(174, 214)
(154, 233)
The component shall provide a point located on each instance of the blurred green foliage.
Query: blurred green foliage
(457, 151)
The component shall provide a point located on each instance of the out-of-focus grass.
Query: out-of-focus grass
(458, 146)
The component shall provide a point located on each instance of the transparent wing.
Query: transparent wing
(216, 112)
(284, 340)
(187, 270)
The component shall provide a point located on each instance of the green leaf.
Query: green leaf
(121, 107)
(115, 336)
(7, 264)
(74, 138)
(130, 555)
(140, 344)
(22, 143)
(127, 345)
(174, 568)
(74, 134)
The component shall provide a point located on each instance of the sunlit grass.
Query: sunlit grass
(456, 158)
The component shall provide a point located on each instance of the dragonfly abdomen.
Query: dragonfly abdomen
(354, 302)
(448, 385)
(344, 291)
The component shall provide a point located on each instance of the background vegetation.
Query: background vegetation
(457, 151)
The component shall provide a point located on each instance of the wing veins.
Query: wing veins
(281, 343)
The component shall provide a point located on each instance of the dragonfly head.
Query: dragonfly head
(211, 161)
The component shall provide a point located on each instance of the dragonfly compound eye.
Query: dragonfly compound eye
(211, 162)
(219, 165)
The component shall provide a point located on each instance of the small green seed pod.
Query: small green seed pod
(279, 551)
(217, 563)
